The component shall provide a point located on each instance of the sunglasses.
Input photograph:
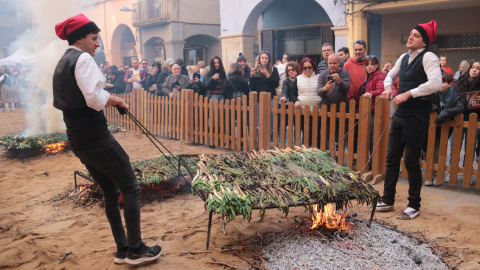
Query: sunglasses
(265, 52)
(307, 68)
(370, 56)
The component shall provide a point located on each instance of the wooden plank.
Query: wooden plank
(179, 112)
(333, 120)
(457, 147)
(291, 125)
(470, 150)
(341, 133)
(216, 123)
(245, 123)
(182, 115)
(351, 135)
(298, 125)
(253, 110)
(227, 124)
(233, 124)
(442, 154)
(205, 121)
(221, 112)
(275, 122)
(264, 121)
(195, 118)
(323, 129)
(306, 125)
(201, 118)
(315, 128)
(239, 124)
(158, 115)
(189, 115)
(432, 130)
(210, 123)
(283, 124)
(364, 133)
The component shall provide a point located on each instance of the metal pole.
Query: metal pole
(209, 227)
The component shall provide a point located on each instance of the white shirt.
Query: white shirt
(136, 75)
(431, 65)
(91, 81)
(281, 72)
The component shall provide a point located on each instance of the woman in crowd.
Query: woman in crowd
(215, 78)
(444, 64)
(7, 91)
(201, 67)
(462, 68)
(264, 77)
(372, 87)
(235, 86)
(307, 85)
(151, 84)
(289, 86)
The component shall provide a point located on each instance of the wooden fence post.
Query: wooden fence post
(470, 150)
(187, 108)
(377, 141)
(264, 121)
(364, 132)
(253, 110)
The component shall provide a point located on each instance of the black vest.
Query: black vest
(85, 126)
(411, 76)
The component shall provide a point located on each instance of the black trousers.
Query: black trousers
(110, 167)
(412, 161)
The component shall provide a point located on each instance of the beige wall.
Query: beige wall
(202, 12)
(462, 20)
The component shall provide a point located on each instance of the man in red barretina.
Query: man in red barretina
(78, 91)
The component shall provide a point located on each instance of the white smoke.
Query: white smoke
(41, 116)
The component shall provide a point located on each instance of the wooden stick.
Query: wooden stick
(236, 254)
(194, 252)
(224, 264)
(64, 257)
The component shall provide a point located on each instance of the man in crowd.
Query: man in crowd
(183, 69)
(327, 49)
(420, 76)
(78, 91)
(356, 67)
(167, 71)
(333, 91)
(144, 65)
(344, 54)
(281, 72)
(135, 76)
(175, 82)
(387, 67)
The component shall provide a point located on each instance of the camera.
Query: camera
(329, 78)
(195, 74)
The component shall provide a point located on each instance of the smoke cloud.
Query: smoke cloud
(47, 48)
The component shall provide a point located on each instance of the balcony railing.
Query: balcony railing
(152, 12)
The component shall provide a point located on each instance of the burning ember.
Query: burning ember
(329, 218)
(54, 147)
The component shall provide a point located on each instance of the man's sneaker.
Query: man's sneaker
(383, 207)
(432, 183)
(446, 179)
(144, 254)
(120, 255)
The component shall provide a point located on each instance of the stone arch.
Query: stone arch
(154, 50)
(123, 45)
(200, 47)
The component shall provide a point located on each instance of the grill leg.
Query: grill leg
(373, 212)
(75, 177)
(209, 227)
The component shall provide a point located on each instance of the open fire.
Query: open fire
(329, 218)
(54, 147)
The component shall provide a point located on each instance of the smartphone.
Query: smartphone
(329, 78)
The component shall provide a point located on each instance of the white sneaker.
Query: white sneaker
(447, 177)
(434, 183)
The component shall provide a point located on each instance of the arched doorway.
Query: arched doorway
(200, 48)
(123, 45)
(154, 50)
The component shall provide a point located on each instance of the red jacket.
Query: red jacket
(357, 77)
(374, 85)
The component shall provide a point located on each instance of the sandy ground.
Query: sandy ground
(36, 230)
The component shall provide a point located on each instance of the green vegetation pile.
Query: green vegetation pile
(21, 147)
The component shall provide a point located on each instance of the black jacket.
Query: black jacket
(263, 84)
(234, 82)
(456, 105)
(463, 86)
(197, 88)
(290, 90)
(160, 80)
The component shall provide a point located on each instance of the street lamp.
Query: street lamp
(127, 9)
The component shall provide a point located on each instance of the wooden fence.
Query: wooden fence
(246, 124)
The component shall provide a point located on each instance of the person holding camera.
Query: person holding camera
(175, 82)
(264, 77)
(214, 79)
(333, 83)
(196, 83)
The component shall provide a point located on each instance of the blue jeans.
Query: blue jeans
(110, 167)
(217, 97)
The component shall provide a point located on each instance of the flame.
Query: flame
(54, 147)
(329, 218)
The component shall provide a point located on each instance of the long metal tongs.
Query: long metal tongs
(154, 140)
